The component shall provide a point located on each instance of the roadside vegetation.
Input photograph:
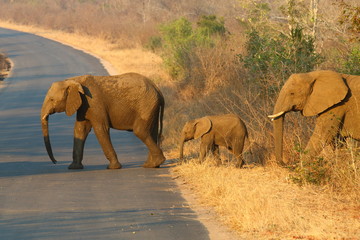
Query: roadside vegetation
(4, 66)
(211, 58)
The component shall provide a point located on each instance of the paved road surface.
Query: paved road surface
(39, 200)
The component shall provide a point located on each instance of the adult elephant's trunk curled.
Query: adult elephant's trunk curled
(45, 131)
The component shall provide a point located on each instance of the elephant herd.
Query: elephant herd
(134, 103)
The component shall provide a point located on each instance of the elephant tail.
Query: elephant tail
(249, 143)
(161, 117)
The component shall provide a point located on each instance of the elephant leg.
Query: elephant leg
(155, 156)
(81, 131)
(103, 135)
(216, 153)
(205, 146)
(237, 149)
(326, 129)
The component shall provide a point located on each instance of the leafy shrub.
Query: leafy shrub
(180, 39)
(154, 43)
(308, 170)
(312, 171)
(208, 27)
(279, 56)
(351, 64)
(337, 169)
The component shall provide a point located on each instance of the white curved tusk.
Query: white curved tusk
(276, 115)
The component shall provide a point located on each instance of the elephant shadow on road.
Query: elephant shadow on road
(29, 168)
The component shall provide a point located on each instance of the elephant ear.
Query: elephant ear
(202, 126)
(328, 89)
(73, 101)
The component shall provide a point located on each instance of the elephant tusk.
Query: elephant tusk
(275, 115)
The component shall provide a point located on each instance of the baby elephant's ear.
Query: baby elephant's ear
(202, 126)
(73, 101)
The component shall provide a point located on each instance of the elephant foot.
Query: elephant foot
(150, 165)
(74, 165)
(218, 162)
(154, 162)
(240, 164)
(115, 165)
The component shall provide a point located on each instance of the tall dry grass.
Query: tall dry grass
(261, 203)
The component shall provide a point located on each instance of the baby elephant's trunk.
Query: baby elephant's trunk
(182, 141)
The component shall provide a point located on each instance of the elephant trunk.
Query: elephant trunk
(182, 141)
(278, 121)
(45, 131)
(278, 135)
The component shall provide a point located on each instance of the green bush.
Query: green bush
(308, 170)
(179, 39)
(154, 43)
(351, 64)
(279, 56)
(208, 28)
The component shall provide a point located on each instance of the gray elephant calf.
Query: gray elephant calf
(129, 102)
(226, 130)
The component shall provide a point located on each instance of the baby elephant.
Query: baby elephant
(226, 130)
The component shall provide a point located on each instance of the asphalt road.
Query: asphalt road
(40, 200)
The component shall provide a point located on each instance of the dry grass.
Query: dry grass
(259, 202)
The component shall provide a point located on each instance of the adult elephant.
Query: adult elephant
(333, 97)
(129, 102)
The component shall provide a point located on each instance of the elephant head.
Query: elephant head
(311, 93)
(61, 96)
(194, 129)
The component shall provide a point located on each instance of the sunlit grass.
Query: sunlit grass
(262, 203)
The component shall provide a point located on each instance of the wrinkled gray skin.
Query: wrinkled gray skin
(129, 102)
(330, 96)
(226, 130)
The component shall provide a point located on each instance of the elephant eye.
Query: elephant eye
(292, 94)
